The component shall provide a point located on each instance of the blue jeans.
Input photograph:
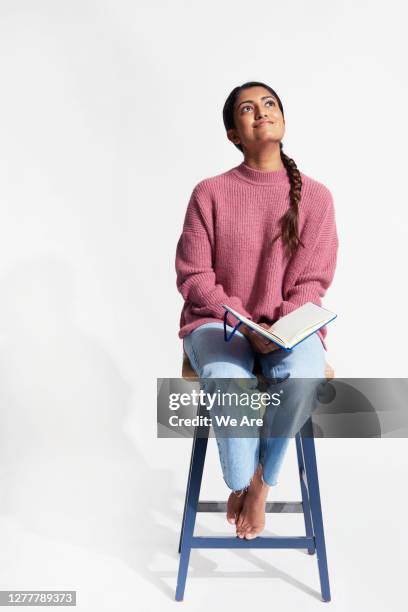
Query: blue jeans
(212, 357)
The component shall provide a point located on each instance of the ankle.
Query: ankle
(264, 484)
(258, 485)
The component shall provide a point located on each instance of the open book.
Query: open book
(289, 330)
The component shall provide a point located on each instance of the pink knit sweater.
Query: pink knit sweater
(224, 254)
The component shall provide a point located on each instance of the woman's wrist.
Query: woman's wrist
(244, 329)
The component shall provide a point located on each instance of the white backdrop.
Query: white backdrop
(110, 113)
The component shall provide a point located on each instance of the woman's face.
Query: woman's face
(252, 106)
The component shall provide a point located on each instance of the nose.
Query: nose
(261, 114)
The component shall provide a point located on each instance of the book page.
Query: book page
(300, 322)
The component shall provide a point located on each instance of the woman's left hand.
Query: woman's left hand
(259, 343)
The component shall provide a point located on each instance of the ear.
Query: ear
(232, 136)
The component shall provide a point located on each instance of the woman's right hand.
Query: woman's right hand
(259, 343)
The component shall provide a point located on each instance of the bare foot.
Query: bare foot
(234, 506)
(251, 520)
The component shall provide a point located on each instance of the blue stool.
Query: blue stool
(310, 505)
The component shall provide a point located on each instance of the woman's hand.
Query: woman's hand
(259, 343)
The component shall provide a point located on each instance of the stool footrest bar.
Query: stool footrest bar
(277, 506)
(258, 542)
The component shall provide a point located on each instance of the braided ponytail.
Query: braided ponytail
(289, 221)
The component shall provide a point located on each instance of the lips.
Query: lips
(262, 122)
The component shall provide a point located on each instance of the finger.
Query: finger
(270, 347)
(261, 342)
(263, 349)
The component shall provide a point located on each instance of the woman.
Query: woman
(261, 238)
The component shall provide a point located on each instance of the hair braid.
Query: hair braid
(289, 222)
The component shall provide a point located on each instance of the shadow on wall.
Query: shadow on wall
(69, 470)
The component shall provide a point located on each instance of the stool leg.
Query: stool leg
(310, 465)
(193, 493)
(187, 490)
(305, 496)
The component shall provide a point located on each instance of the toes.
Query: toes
(230, 515)
(241, 529)
(240, 523)
(232, 507)
(247, 530)
(254, 531)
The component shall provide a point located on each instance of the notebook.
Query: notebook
(289, 330)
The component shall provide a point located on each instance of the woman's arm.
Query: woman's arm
(196, 280)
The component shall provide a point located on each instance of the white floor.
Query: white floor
(108, 525)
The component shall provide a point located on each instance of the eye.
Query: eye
(272, 101)
(247, 106)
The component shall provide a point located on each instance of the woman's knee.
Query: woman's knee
(311, 361)
(306, 360)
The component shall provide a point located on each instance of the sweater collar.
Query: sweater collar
(260, 177)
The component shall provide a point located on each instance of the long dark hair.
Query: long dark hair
(289, 221)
